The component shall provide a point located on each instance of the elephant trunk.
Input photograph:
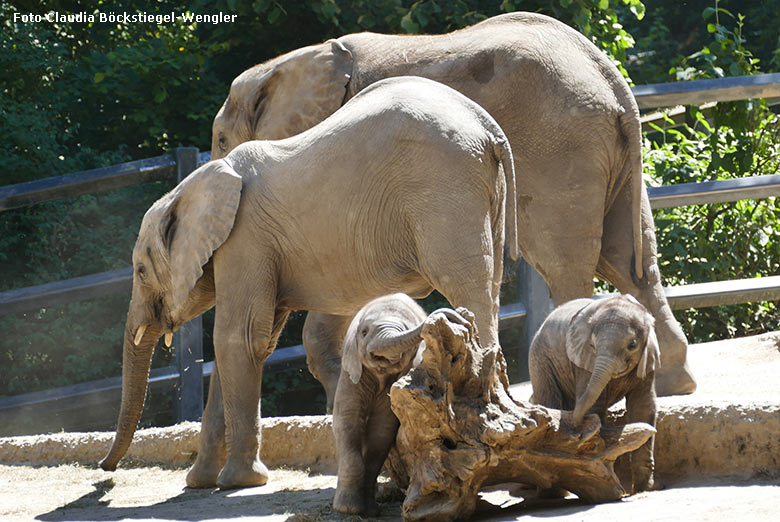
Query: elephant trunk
(393, 345)
(136, 361)
(603, 370)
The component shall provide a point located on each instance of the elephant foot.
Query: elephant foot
(353, 502)
(242, 475)
(674, 380)
(203, 473)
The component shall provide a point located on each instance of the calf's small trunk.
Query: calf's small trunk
(603, 370)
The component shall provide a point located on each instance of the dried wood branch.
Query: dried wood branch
(461, 430)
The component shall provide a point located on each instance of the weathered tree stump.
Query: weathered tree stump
(461, 430)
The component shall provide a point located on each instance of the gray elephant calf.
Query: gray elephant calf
(383, 342)
(589, 354)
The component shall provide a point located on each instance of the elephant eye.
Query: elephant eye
(364, 332)
(222, 142)
(141, 272)
(633, 344)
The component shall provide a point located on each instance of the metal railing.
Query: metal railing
(188, 373)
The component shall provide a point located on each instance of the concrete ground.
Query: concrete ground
(74, 493)
(717, 451)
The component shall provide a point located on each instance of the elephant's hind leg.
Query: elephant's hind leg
(465, 264)
(323, 337)
(469, 283)
(615, 265)
(560, 234)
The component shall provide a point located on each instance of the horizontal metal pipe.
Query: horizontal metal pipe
(718, 293)
(720, 191)
(697, 92)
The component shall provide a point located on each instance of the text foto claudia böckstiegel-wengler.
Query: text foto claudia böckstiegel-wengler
(124, 18)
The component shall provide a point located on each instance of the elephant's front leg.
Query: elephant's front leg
(381, 432)
(245, 333)
(350, 413)
(211, 449)
(640, 407)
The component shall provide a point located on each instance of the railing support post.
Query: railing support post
(188, 341)
(535, 295)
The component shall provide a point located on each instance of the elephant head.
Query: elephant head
(384, 336)
(610, 339)
(283, 96)
(172, 278)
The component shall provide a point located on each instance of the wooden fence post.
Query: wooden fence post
(535, 295)
(188, 341)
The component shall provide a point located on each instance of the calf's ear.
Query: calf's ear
(579, 348)
(351, 362)
(651, 355)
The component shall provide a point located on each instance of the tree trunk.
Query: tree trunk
(460, 430)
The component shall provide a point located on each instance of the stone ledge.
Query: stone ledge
(297, 442)
(729, 427)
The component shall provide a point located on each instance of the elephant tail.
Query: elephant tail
(504, 152)
(632, 129)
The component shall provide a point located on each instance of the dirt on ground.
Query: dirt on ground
(76, 493)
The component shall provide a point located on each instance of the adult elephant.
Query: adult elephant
(574, 129)
(402, 189)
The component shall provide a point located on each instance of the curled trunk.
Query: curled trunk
(136, 361)
(393, 345)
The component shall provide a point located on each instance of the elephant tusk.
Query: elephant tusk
(139, 334)
(168, 339)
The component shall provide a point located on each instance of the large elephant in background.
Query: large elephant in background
(403, 189)
(573, 124)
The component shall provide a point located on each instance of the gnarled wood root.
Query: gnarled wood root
(461, 430)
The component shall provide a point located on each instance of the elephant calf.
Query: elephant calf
(588, 354)
(383, 342)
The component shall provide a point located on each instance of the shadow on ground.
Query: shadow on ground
(201, 504)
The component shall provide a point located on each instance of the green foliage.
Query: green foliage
(292, 392)
(724, 241)
(726, 53)
(720, 241)
(81, 341)
(81, 95)
(672, 32)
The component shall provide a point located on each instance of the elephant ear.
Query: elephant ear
(295, 91)
(579, 348)
(351, 361)
(651, 355)
(202, 210)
